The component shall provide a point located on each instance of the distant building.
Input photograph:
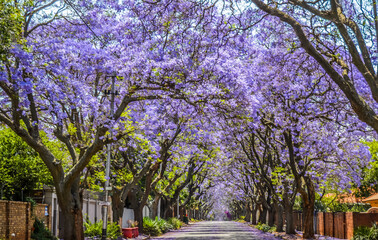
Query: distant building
(373, 201)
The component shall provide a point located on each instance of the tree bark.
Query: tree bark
(279, 217)
(271, 213)
(254, 217)
(165, 213)
(72, 221)
(308, 210)
(138, 216)
(117, 206)
(290, 229)
(155, 206)
(248, 212)
(72, 215)
(263, 212)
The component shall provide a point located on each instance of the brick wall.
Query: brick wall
(3, 219)
(17, 218)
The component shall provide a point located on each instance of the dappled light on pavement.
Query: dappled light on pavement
(217, 230)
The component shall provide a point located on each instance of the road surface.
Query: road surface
(218, 230)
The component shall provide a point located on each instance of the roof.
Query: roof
(373, 197)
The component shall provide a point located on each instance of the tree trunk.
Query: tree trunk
(254, 213)
(138, 216)
(248, 213)
(263, 212)
(155, 206)
(117, 206)
(290, 228)
(308, 210)
(69, 203)
(308, 224)
(271, 213)
(279, 217)
(165, 213)
(71, 225)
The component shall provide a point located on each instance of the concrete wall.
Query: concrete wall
(92, 209)
(128, 214)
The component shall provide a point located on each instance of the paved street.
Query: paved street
(217, 230)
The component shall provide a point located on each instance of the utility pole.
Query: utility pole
(107, 170)
(178, 207)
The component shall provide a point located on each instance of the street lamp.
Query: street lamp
(107, 170)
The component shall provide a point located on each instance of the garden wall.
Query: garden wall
(338, 224)
(17, 219)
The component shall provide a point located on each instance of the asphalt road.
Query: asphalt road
(217, 230)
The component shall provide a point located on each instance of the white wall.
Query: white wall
(146, 211)
(127, 215)
(92, 210)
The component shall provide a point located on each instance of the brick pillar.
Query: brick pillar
(27, 222)
(349, 225)
(7, 219)
(328, 224)
(320, 223)
(339, 222)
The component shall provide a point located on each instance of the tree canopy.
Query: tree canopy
(219, 104)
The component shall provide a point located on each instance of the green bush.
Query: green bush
(92, 229)
(176, 223)
(329, 205)
(157, 227)
(366, 233)
(358, 207)
(241, 219)
(40, 232)
(265, 227)
(272, 229)
(151, 227)
(195, 220)
(163, 225)
(95, 229)
(113, 231)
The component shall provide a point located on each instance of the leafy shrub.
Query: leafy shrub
(157, 227)
(241, 219)
(151, 227)
(163, 225)
(95, 229)
(358, 207)
(366, 233)
(329, 205)
(40, 232)
(272, 229)
(176, 223)
(195, 220)
(265, 227)
(113, 231)
(92, 229)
